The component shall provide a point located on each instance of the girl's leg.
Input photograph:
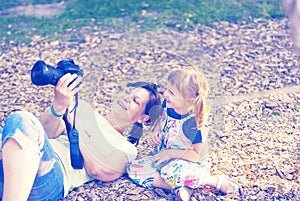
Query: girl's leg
(180, 173)
(183, 176)
(159, 182)
(184, 193)
(224, 185)
(20, 168)
(142, 171)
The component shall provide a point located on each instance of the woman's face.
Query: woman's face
(130, 105)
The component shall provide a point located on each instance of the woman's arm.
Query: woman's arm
(53, 125)
(63, 97)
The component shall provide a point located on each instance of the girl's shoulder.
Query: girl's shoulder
(189, 125)
(189, 129)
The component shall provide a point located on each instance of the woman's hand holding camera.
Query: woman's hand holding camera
(67, 86)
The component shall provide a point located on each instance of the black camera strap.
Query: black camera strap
(73, 135)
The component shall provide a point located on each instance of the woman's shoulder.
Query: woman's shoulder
(97, 134)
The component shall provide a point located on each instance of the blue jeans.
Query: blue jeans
(48, 184)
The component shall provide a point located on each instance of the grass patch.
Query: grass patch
(177, 14)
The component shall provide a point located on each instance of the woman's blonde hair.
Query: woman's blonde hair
(191, 83)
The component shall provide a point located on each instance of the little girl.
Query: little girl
(179, 160)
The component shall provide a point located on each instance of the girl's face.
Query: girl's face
(130, 105)
(175, 99)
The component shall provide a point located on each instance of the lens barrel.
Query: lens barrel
(43, 74)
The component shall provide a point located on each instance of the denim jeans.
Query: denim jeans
(23, 126)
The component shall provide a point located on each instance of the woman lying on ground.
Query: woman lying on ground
(36, 164)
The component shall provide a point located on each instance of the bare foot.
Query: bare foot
(227, 186)
(184, 193)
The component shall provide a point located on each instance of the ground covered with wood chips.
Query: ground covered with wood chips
(254, 93)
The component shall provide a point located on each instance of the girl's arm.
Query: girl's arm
(193, 154)
(155, 134)
(196, 153)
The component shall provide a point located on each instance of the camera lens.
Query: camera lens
(43, 74)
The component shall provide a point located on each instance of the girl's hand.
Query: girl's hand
(64, 91)
(155, 139)
(162, 156)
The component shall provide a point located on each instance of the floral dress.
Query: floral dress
(178, 132)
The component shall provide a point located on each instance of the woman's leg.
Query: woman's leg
(29, 168)
(20, 168)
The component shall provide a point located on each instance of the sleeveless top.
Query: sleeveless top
(97, 136)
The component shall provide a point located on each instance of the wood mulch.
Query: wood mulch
(254, 92)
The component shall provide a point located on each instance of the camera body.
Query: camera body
(43, 74)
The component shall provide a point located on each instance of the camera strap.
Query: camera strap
(73, 136)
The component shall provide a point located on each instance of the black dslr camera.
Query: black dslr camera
(43, 74)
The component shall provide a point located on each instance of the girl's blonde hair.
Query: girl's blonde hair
(191, 83)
